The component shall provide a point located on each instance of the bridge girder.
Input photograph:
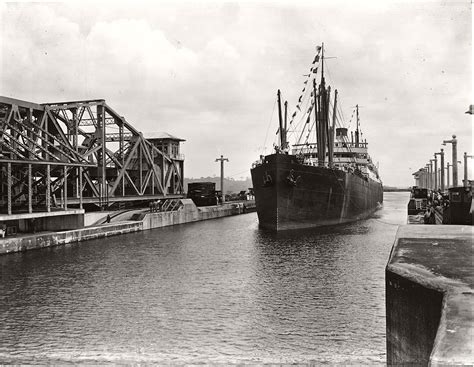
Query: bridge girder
(53, 152)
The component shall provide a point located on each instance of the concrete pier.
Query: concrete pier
(138, 220)
(430, 297)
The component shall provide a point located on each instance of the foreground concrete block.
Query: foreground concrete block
(429, 296)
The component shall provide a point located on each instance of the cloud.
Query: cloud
(208, 72)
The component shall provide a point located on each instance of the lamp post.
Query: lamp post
(433, 175)
(441, 153)
(428, 176)
(222, 159)
(466, 181)
(454, 142)
(425, 177)
(447, 174)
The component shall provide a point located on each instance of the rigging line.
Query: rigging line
(304, 99)
(341, 111)
(341, 119)
(268, 128)
(300, 127)
(303, 116)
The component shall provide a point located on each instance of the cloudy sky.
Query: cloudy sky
(208, 72)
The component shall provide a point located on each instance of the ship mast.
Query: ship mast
(323, 114)
(322, 64)
(357, 126)
(280, 119)
(332, 131)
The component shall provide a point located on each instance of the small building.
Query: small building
(169, 145)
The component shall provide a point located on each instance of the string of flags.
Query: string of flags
(312, 70)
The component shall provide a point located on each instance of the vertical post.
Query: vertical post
(80, 184)
(280, 120)
(30, 131)
(442, 169)
(427, 178)
(163, 162)
(65, 187)
(140, 167)
(431, 175)
(9, 188)
(222, 159)
(102, 152)
(153, 172)
(455, 161)
(435, 172)
(466, 179)
(76, 148)
(181, 165)
(122, 155)
(317, 115)
(333, 129)
(30, 190)
(447, 175)
(46, 138)
(75, 128)
(77, 182)
(357, 125)
(48, 188)
(454, 142)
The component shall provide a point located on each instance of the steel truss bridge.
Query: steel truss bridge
(56, 155)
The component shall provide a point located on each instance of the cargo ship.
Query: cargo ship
(323, 177)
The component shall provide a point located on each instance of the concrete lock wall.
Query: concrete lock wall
(17, 244)
(413, 314)
(70, 228)
(63, 223)
(429, 296)
(92, 217)
(189, 213)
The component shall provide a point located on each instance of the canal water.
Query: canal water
(218, 291)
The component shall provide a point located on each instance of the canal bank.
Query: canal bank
(135, 221)
(430, 296)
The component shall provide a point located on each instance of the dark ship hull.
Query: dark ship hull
(291, 195)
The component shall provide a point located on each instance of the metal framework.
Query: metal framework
(69, 153)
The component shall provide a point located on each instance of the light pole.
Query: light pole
(447, 174)
(466, 181)
(222, 159)
(454, 142)
(433, 175)
(425, 178)
(441, 153)
(428, 177)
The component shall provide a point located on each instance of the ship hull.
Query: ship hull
(290, 195)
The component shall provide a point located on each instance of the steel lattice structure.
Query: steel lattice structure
(72, 153)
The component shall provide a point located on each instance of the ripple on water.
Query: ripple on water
(220, 291)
